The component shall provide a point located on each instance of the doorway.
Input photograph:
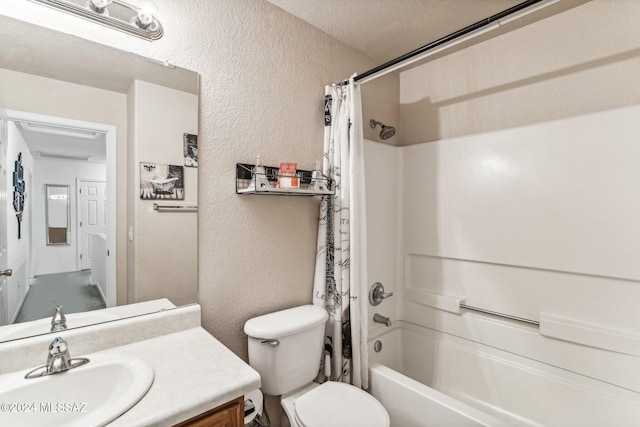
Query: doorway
(80, 155)
(92, 215)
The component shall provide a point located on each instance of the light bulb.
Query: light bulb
(147, 13)
(99, 6)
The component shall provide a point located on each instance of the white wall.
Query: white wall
(59, 258)
(165, 240)
(385, 195)
(18, 249)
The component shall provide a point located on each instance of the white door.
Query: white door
(93, 217)
(4, 298)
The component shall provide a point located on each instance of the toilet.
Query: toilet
(285, 348)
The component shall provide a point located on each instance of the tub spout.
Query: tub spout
(378, 318)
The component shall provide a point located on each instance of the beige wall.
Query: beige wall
(40, 95)
(165, 242)
(380, 102)
(262, 85)
(581, 61)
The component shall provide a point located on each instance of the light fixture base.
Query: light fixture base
(119, 15)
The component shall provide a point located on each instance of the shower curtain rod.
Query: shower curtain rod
(480, 25)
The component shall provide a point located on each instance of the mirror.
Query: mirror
(85, 119)
(57, 214)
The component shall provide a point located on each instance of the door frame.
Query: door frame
(110, 132)
(4, 298)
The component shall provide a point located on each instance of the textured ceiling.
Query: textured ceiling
(386, 29)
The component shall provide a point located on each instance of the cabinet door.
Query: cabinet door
(230, 414)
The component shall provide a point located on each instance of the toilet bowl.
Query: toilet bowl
(333, 404)
(285, 348)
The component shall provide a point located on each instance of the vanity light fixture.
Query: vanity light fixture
(140, 21)
(99, 6)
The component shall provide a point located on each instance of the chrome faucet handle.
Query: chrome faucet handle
(58, 321)
(377, 294)
(58, 359)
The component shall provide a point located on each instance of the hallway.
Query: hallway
(73, 291)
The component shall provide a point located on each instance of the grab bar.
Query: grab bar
(157, 207)
(495, 313)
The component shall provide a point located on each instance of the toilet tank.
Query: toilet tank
(285, 347)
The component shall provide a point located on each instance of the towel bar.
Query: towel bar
(495, 313)
(157, 207)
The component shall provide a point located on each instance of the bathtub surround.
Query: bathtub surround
(340, 276)
(545, 230)
(534, 222)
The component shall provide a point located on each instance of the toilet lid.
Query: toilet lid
(335, 404)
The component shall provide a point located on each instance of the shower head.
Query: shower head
(386, 132)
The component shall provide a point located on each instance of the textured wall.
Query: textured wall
(262, 82)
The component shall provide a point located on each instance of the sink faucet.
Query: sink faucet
(58, 321)
(58, 360)
(378, 318)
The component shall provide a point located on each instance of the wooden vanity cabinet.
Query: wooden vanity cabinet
(230, 414)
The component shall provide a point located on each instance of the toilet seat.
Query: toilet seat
(336, 404)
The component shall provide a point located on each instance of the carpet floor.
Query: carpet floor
(73, 291)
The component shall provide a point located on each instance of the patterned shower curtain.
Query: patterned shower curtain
(340, 276)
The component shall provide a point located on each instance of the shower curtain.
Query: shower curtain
(340, 275)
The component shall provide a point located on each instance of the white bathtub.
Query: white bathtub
(426, 378)
(412, 404)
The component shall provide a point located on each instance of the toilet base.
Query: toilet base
(288, 402)
(256, 399)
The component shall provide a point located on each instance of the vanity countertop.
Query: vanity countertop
(194, 372)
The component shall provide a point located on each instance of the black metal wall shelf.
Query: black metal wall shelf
(245, 177)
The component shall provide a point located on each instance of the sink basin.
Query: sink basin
(42, 326)
(90, 395)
